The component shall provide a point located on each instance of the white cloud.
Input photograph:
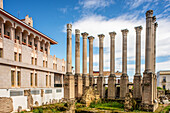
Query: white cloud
(97, 24)
(88, 4)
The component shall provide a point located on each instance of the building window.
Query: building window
(35, 61)
(1, 52)
(35, 45)
(46, 80)
(46, 64)
(164, 87)
(164, 79)
(32, 60)
(15, 56)
(49, 80)
(18, 78)
(53, 66)
(36, 79)
(43, 63)
(20, 57)
(31, 79)
(56, 66)
(63, 68)
(12, 78)
(8, 33)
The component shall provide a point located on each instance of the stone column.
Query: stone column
(100, 79)
(78, 77)
(32, 42)
(149, 87)
(91, 79)
(26, 39)
(112, 77)
(85, 78)
(20, 37)
(38, 45)
(137, 92)
(155, 27)
(124, 78)
(69, 83)
(2, 30)
(12, 34)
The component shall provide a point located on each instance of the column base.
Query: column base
(69, 86)
(91, 80)
(148, 89)
(149, 107)
(124, 88)
(78, 86)
(85, 81)
(112, 87)
(100, 86)
(137, 84)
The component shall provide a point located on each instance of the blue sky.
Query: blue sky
(96, 17)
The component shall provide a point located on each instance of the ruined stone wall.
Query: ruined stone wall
(7, 105)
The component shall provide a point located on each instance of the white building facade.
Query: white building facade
(29, 75)
(163, 79)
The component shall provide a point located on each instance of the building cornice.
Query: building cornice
(27, 26)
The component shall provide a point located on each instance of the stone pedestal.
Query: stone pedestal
(100, 86)
(137, 87)
(124, 88)
(69, 87)
(148, 102)
(91, 80)
(85, 82)
(78, 86)
(112, 87)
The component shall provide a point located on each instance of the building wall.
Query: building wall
(26, 54)
(5, 76)
(8, 49)
(160, 82)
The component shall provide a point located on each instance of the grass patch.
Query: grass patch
(166, 109)
(107, 106)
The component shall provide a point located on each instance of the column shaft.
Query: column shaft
(2, 30)
(101, 37)
(91, 38)
(112, 52)
(69, 48)
(148, 49)
(124, 53)
(138, 49)
(77, 53)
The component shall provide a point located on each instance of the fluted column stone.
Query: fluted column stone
(124, 78)
(69, 82)
(85, 77)
(78, 77)
(137, 92)
(100, 79)
(112, 77)
(91, 79)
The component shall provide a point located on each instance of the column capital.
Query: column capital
(69, 27)
(156, 25)
(77, 31)
(149, 13)
(91, 38)
(84, 35)
(124, 31)
(112, 34)
(138, 28)
(154, 18)
(101, 36)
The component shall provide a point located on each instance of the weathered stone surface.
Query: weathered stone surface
(89, 96)
(7, 105)
(128, 102)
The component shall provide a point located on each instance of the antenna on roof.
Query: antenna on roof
(18, 13)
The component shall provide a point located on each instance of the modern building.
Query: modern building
(106, 74)
(29, 75)
(163, 79)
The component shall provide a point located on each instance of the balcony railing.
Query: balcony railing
(6, 36)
